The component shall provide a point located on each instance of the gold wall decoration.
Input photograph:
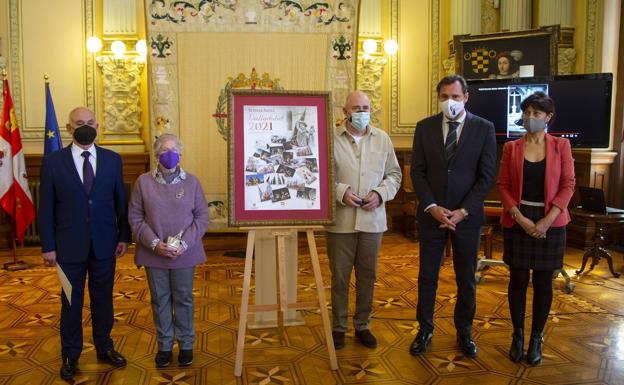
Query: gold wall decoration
(489, 17)
(252, 82)
(566, 53)
(567, 61)
(2, 68)
(592, 35)
(415, 72)
(369, 78)
(122, 99)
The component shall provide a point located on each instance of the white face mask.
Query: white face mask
(451, 108)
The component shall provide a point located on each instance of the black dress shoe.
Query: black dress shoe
(112, 357)
(68, 368)
(516, 351)
(534, 353)
(366, 338)
(338, 338)
(163, 359)
(185, 357)
(467, 345)
(420, 343)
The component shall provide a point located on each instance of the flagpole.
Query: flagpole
(15, 265)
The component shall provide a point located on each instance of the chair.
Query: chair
(486, 239)
(409, 205)
(487, 233)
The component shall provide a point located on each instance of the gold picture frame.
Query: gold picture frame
(501, 55)
(267, 187)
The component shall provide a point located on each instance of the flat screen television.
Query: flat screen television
(582, 105)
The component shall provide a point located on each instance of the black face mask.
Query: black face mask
(85, 134)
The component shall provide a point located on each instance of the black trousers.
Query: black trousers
(101, 278)
(542, 297)
(465, 247)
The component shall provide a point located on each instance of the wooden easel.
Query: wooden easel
(282, 304)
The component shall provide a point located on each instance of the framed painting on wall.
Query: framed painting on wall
(507, 55)
(280, 158)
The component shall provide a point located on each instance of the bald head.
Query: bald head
(357, 112)
(80, 116)
(357, 101)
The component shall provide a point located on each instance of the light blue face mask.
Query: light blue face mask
(360, 120)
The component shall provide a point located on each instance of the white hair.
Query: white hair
(159, 140)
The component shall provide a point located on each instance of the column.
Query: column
(465, 17)
(370, 19)
(515, 15)
(560, 12)
(553, 12)
(611, 36)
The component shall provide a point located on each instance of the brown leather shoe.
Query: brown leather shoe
(113, 357)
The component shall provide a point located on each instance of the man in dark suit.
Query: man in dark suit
(84, 227)
(453, 167)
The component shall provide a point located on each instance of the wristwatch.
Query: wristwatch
(514, 215)
(464, 212)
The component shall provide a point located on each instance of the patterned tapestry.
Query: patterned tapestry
(166, 18)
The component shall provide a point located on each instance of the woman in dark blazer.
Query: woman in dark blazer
(536, 182)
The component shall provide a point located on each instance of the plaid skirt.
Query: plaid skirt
(522, 251)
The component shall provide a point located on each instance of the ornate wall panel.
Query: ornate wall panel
(2, 68)
(40, 43)
(593, 27)
(369, 79)
(415, 70)
(198, 47)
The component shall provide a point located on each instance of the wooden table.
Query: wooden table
(600, 222)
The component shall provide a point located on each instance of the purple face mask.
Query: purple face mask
(169, 159)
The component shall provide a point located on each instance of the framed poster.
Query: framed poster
(505, 55)
(280, 158)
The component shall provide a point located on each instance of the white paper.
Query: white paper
(527, 71)
(67, 287)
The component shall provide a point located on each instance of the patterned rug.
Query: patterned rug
(584, 340)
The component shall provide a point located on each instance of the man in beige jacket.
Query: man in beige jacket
(367, 176)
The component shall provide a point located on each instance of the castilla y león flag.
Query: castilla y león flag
(15, 196)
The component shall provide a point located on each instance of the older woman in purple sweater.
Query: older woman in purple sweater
(168, 202)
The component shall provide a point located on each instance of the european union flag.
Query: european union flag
(52, 141)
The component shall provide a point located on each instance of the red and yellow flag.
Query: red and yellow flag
(15, 196)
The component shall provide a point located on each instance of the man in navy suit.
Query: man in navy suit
(84, 227)
(453, 168)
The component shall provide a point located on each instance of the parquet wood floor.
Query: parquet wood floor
(584, 340)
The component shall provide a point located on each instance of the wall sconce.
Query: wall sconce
(371, 47)
(118, 51)
(391, 47)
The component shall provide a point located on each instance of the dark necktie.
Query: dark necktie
(451, 140)
(87, 172)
